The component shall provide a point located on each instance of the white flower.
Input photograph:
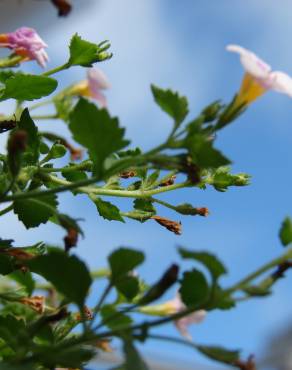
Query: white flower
(259, 77)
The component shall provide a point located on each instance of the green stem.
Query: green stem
(6, 210)
(163, 203)
(40, 104)
(118, 193)
(56, 70)
(48, 116)
(11, 61)
(275, 262)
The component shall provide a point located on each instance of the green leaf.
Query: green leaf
(151, 180)
(219, 354)
(6, 264)
(286, 232)
(194, 288)
(203, 153)
(124, 260)
(210, 261)
(171, 103)
(144, 205)
(31, 154)
(108, 210)
(222, 179)
(35, 211)
(10, 330)
(56, 151)
(113, 319)
(257, 291)
(69, 356)
(68, 274)
(25, 279)
(97, 131)
(128, 286)
(28, 87)
(82, 53)
(133, 360)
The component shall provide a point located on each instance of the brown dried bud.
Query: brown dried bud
(246, 365)
(192, 171)
(173, 226)
(168, 182)
(158, 289)
(7, 125)
(87, 314)
(104, 345)
(203, 211)
(63, 6)
(282, 268)
(75, 153)
(127, 174)
(37, 303)
(17, 142)
(71, 239)
(18, 253)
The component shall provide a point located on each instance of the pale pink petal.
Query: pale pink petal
(251, 62)
(193, 318)
(281, 82)
(99, 97)
(97, 79)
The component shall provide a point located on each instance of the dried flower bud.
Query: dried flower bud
(71, 239)
(63, 6)
(203, 211)
(173, 226)
(158, 289)
(18, 253)
(169, 181)
(246, 365)
(104, 345)
(17, 142)
(87, 314)
(127, 174)
(37, 303)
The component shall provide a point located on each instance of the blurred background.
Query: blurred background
(181, 44)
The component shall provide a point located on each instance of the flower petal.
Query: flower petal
(97, 79)
(281, 82)
(193, 318)
(251, 62)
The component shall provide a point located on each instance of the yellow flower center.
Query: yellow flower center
(249, 91)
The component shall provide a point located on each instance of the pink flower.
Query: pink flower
(183, 323)
(27, 43)
(92, 87)
(259, 77)
(172, 307)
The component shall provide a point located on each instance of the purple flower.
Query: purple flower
(259, 77)
(27, 43)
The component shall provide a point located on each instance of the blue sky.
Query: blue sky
(182, 45)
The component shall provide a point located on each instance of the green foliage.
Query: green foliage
(172, 103)
(28, 87)
(220, 354)
(31, 153)
(194, 288)
(286, 232)
(107, 210)
(44, 322)
(74, 284)
(132, 357)
(123, 260)
(210, 261)
(100, 133)
(33, 212)
(84, 53)
(114, 320)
